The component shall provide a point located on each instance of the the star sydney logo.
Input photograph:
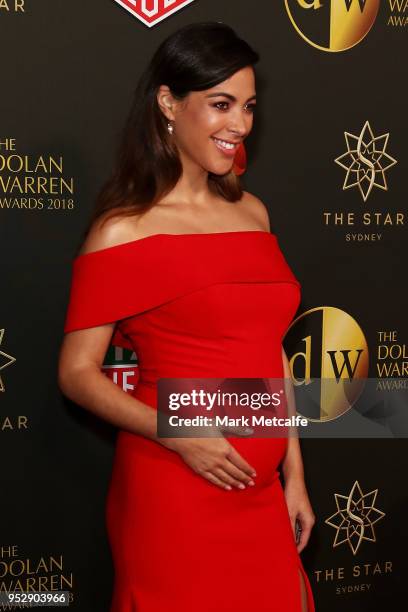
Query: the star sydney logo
(365, 161)
(355, 518)
(151, 12)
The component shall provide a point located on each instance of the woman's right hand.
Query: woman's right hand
(215, 459)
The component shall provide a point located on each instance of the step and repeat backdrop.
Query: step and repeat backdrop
(328, 156)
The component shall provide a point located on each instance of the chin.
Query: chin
(220, 171)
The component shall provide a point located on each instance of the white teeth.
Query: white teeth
(226, 145)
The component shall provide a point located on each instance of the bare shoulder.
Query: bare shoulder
(107, 231)
(257, 209)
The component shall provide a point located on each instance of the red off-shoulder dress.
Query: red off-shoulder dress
(195, 306)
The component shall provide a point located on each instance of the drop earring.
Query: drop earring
(240, 160)
(170, 128)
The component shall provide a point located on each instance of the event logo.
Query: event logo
(328, 354)
(20, 572)
(355, 518)
(32, 181)
(332, 25)
(151, 12)
(365, 161)
(5, 360)
(392, 357)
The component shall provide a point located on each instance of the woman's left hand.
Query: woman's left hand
(300, 510)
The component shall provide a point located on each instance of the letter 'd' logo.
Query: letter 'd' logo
(151, 12)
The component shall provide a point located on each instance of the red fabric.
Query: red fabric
(240, 160)
(195, 306)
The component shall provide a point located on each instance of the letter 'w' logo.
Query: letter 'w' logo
(151, 12)
(362, 4)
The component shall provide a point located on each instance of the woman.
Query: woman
(180, 265)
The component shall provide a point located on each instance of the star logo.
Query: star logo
(355, 518)
(366, 161)
(4, 356)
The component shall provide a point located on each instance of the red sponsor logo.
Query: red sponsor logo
(151, 12)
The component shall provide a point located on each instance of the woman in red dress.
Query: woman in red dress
(180, 265)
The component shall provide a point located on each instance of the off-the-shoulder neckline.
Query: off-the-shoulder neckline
(146, 238)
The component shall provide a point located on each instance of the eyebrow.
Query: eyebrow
(227, 95)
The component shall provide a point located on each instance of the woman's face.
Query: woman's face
(209, 125)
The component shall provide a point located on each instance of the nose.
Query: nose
(239, 123)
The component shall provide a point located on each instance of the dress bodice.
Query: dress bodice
(190, 305)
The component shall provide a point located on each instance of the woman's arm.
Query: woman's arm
(81, 379)
(292, 465)
(297, 500)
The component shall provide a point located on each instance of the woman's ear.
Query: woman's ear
(166, 102)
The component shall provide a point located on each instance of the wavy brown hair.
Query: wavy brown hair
(147, 165)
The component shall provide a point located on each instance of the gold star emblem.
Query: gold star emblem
(355, 518)
(3, 364)
(365, 161)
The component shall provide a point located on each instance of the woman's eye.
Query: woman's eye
(224, 106)
(221, 105)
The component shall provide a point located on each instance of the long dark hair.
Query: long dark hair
(147, 166)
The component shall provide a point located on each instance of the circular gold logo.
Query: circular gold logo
(328, 358)
(332, 25)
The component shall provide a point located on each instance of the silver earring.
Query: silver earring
(170, 128)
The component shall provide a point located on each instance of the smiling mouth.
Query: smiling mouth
(225, 146)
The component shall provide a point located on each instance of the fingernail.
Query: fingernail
(241, 486)
(253, 473)
(228, 487)
(251, 483)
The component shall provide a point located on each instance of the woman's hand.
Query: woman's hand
(215, 459)
(300, 510)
